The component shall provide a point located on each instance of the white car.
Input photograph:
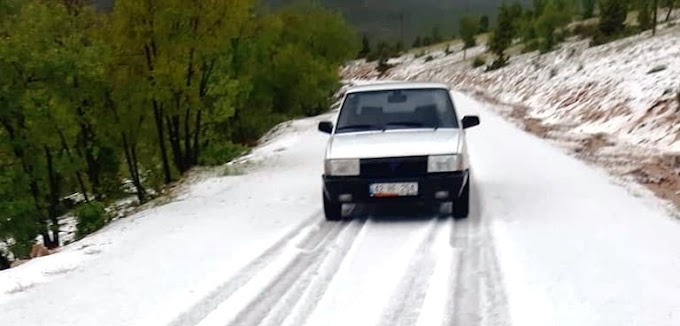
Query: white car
(397, 142)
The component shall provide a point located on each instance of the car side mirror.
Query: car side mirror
(326, 127)
(470, 121)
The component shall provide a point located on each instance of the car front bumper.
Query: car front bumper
(433, 187)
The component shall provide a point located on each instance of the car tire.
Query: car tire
(332, 210)
(444, 209)
(461, 207)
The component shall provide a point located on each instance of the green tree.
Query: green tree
(51, 75)
(143, 94)
(588, 8)
(417, 42)
(539, 6)
(502, 36)
(469, 26)
(644, 15)
(365, 47)
(183, 51)
(516, 11)
(527, 26)
(553, 17)
(612, 16)
(484, 24)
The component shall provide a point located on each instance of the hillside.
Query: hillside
(550, 241)
(614, 105)
(380, 19)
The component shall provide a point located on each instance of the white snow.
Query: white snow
(552, 241)
(574, 248)
(607, 89)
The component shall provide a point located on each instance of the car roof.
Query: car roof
(395, 85)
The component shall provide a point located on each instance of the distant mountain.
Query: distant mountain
(384, 19)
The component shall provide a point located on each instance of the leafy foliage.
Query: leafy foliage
(588, 8)
(89, 100)
(478, 62)
(469, 26)
(644, 15)
(554, 16)
(503, 35)
(91, 217)
(612, 16)
(365, 47)
(484, 24)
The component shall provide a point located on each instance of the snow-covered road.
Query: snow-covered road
(550, 241)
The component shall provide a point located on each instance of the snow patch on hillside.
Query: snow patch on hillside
(616, 105)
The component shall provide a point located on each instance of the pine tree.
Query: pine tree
(588, 7)
(483, 24)
(365, 47)
(417, 42)
(502, 37)
(612, 16)
(468, 30)
(554, 16)
(644, 15)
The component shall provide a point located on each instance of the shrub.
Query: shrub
(600, 39)
(383, 66)
(531, 46)
(478, 62)
(91, 217)
(585, 30)
(497, 64)
(215, 154)
(560, 36)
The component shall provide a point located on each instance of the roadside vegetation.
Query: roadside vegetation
(98, 106)
(547, 23)
(540, 26)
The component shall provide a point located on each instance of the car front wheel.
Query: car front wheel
(332, 210)
(461, 206)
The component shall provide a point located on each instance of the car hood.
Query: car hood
(394, 143)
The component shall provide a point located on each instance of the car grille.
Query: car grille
(394, 167)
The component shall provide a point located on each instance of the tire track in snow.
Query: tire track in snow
(206, 305)
(318, 286)
(408, 298)
(479, 297)
(283, 293)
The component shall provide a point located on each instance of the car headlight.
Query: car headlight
(341, 168)
(444, 163)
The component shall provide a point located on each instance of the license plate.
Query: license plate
(394, 189)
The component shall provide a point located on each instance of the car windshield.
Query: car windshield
(397, 109)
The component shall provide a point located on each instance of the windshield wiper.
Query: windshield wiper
(410, 124)
(404, 124)
(359, 127)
